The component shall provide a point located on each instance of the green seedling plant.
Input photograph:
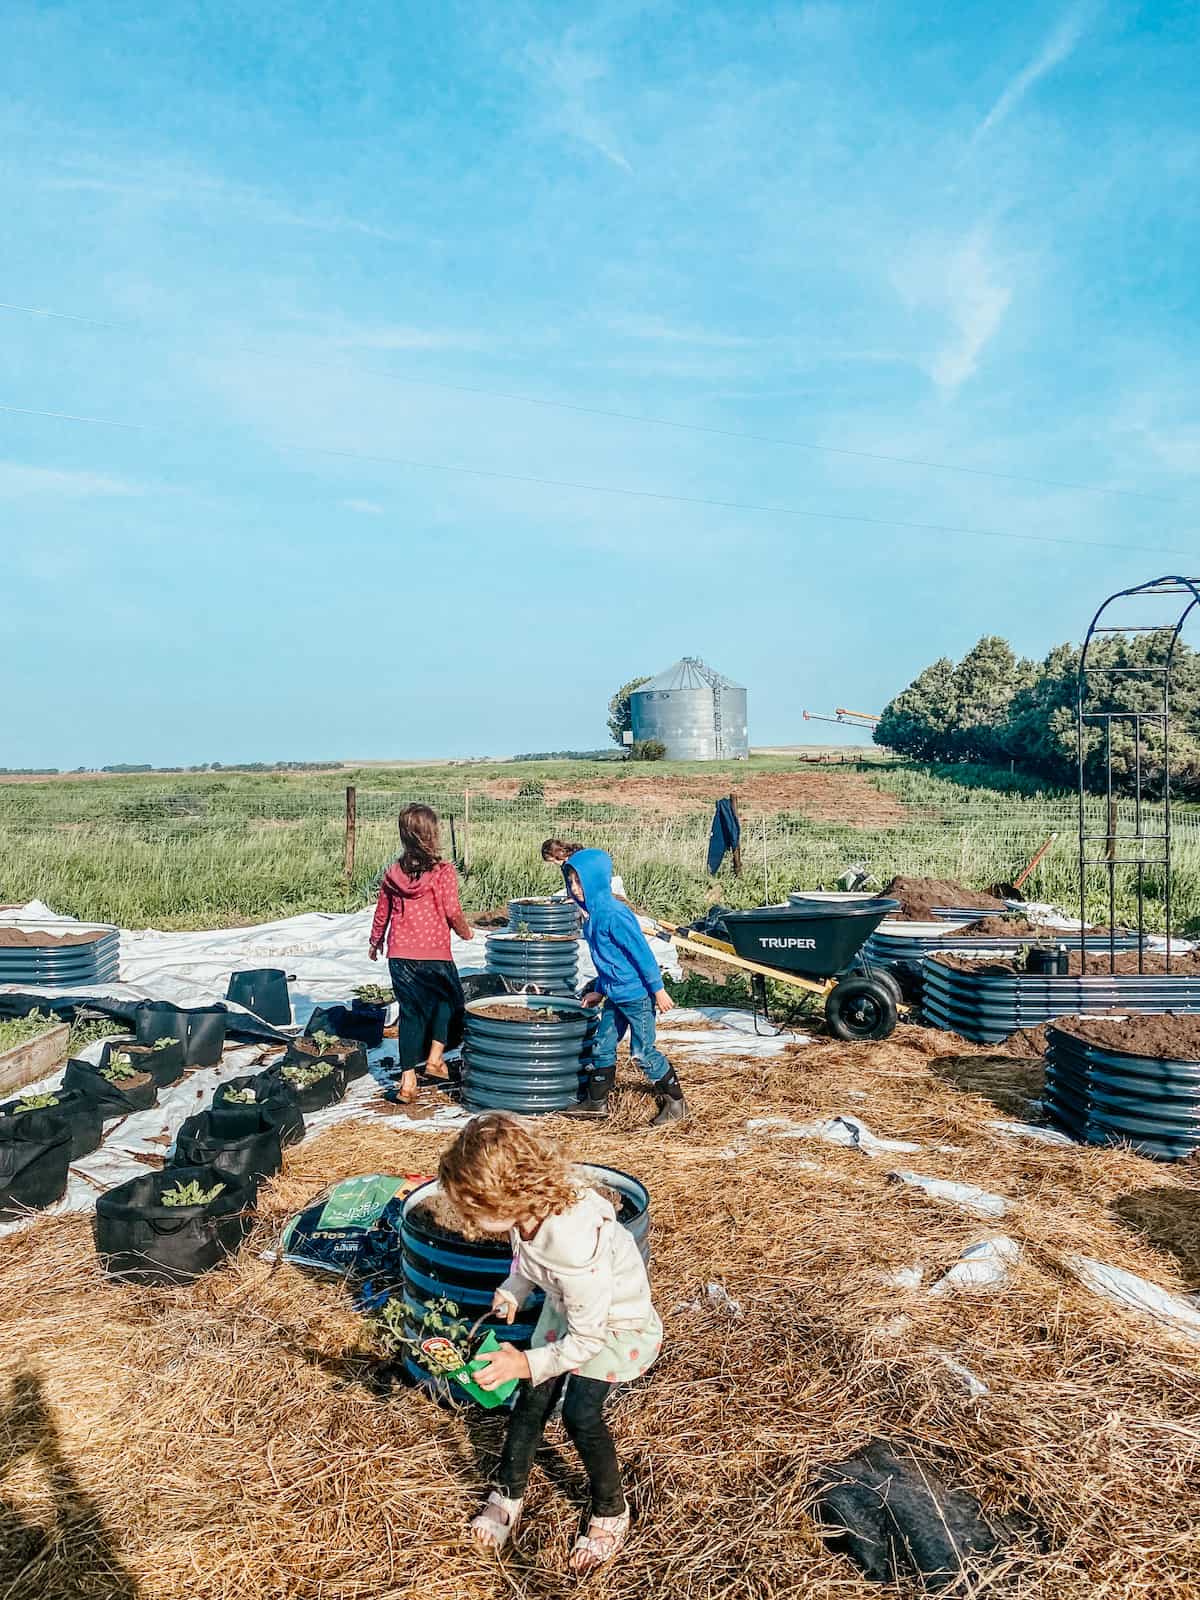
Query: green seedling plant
(35, 1102)
(303, 1074)
(90, 1030)
(325, 1042)
(240, 1097)
(525, 931)
(190, 1194)
(441, 1319)
(20, 1030)
(164, 1043)
(374, 994)
(119, 1068)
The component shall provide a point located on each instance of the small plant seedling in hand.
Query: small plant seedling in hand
(441, 1320)
(35, 1102)
(190, 1194)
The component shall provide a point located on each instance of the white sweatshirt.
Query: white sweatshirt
(589, 1267)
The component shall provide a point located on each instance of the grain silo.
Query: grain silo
(694, 711)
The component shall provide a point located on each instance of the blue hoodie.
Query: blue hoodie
(625, 964)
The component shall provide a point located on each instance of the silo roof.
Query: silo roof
(687, 673)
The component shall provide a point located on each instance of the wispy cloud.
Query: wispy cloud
(407, 338)
(656, 330)
(1053, 53)
(21, 482)
(364, 508)
(568, 76)
(960, 285)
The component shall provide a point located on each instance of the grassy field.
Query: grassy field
(216, 849)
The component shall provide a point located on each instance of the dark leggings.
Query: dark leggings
(431, 1003)
(583, 1418)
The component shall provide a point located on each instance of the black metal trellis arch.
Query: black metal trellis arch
(1097, 704)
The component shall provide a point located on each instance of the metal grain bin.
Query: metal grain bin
(549, 962)
(1106, 1096)
(72, 955)
(988, 1007)
(695, 712)
(544, 914)
(532, 1067)
(467, 1272)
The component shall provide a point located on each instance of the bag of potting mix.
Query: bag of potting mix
(353, 1229)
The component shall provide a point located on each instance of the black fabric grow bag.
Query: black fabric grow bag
(274, 1100)
(250, 1158)
(263, 990)
(81, 1115)
(113, 1101)
(35, 1152)
(165, 1066)
(326, 1091)
(199, 1029)
(144, 1241)
(356, 1027)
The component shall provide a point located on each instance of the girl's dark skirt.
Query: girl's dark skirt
(431, 1001)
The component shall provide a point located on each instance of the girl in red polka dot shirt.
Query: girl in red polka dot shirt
(418, 905)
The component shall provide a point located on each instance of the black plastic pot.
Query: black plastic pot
(263, 990)
(550, 965)
(467, 1272)
(81, 1115)
(112, 1100)
(988, 1007)
(165, 1066)
(1053, 963)
(1105, 1096)
(250, 1158)
(141, 1240)
(274, 1099)
(200, 1029)
(35, 1152)
(326, 1091)
(544, 914)
(530, 1067)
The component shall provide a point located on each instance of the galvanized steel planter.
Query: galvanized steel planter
(1103, 1096)
(904, 947)
(548, 963)
(58, 964)
(544, 914)
(987, 1008)
(532, 1067)
(467, 1272)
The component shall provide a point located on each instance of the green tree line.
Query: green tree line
(995, 708)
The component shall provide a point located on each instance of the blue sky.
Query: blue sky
(320, 233)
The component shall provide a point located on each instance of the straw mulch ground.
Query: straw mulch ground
(225, 1441)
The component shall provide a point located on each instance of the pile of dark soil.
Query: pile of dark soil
(1164, 1038)
(503, 1013)
(919, 897)
(22, 938)
(1184, 963)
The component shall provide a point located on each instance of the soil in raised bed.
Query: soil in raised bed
(1163, 1038)
(919, 897)
(1021, 928)
(526, 1014)
(22, 939)
(1184, 963)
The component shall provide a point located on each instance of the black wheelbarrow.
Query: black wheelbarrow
(816, 946)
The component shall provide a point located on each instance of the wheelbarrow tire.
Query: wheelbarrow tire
(860, 1008)
(889, 981)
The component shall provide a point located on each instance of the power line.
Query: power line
(614, 489)
(137, 331)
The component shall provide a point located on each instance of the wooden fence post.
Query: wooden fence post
(351, 829)
(737, 849)
(467, 830)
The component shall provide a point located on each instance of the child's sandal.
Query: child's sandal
(497, 1522)
(604, 1538)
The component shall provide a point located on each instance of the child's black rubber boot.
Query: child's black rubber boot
(594, 1105)
(672, 1107)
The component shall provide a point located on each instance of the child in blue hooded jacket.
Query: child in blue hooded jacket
(628, 985)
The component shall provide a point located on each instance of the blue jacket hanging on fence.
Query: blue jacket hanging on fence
(726, 834)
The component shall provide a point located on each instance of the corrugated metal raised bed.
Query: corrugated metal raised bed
(78, 954)
(988, 1007)
(904, 947)
(438, 1264)
(544, 914)
(548, 961)
(530, 1066)
(1107, 1096)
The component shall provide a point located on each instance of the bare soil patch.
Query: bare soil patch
(920, 897)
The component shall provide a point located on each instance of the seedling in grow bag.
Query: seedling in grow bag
(164, 1043)
(120, 1069)
(240, 1097)
(35, 1102)
(374, 994)
(301, 1076)
(191, 1194)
